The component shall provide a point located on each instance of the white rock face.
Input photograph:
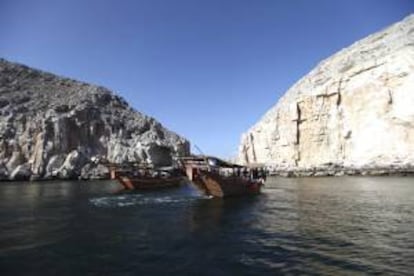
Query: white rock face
(354, 112)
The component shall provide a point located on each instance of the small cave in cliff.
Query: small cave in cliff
(160, 156)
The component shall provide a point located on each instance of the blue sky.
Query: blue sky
(205, 69)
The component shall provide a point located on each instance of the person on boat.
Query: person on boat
(238, 172)
(245, 172)
(263, 173)
(253, 174)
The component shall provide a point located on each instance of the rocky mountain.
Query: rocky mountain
(54, 127)
(353, 113)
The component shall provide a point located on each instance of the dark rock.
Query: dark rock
(21, 172)
(4, 103)
(4, 173)
(20, 100)
(62, 108)
(72, 166)
(15, 160)
(94, 171)
(54, 165)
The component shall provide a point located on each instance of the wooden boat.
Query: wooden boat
(142, 177)
(219, 178)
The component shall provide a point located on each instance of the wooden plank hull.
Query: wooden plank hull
(225, 186)
(138, 177)
(149, 183)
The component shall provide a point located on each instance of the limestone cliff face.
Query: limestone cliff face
(354, 111)
(56, 127)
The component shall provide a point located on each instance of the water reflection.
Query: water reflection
(330, 222)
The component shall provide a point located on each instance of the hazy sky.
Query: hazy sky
(205, 69)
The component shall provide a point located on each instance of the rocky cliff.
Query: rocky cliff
(353, 113)
(54, 127)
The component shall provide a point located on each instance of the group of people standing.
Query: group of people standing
(255, 173)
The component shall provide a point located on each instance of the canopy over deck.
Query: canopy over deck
(209, 160)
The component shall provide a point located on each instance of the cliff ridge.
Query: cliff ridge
(55, 127)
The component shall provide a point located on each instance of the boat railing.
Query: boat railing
(141, 170)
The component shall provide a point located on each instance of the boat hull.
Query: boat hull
(226, 186)
(149, 183)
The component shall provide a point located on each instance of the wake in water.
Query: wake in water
(132, 199)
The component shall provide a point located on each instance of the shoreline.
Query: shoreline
(311, 173)
(337, 172)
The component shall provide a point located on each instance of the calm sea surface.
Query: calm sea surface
(328, 226)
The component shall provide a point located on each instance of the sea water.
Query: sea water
(323, 226)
